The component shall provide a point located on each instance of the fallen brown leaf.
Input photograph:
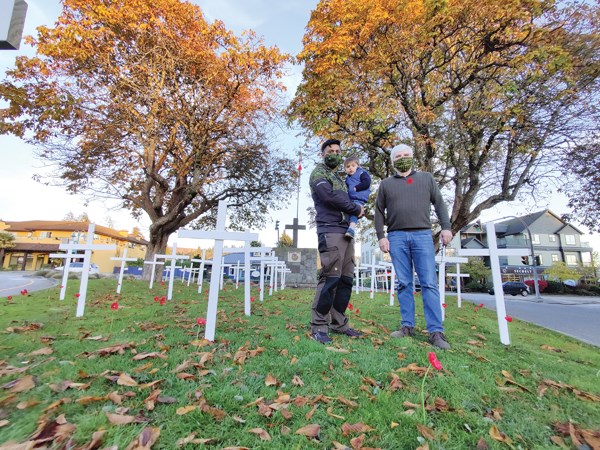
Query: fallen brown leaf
(96, 441)
(261, 434)
(310, 431)
(185, 409)
(118, 419)
(42, 351)
(145, 440)
(270, 380)
(482, 444)
(21, 384)
(426, 432)
(355, 428)
(499, 436)
(126, 380)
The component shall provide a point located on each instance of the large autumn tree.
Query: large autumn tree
(491, 93)
(147, 102)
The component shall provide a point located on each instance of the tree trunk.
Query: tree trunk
(156, 246)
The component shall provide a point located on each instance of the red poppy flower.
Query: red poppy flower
(9, 297)
(350, 306)
(163, 300)
(201, 321)
(157, 298)
(357, 311)
(508, 319)
(114, 306)
(434, 361)
(409, 181)
(77, 295)
(443, 305)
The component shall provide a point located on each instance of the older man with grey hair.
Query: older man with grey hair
(403, 204)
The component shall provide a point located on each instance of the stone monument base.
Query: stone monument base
(303, 265)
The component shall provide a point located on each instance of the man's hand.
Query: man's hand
(446, 237)
(384, 245)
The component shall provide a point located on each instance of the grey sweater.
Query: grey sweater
(404, 203)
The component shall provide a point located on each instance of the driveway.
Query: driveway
(12, 283)
(575, 316)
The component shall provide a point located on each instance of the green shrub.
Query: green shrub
(475, 286)
(554, 287)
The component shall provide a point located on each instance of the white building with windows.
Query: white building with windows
(553, 240)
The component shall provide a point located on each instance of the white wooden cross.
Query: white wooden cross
(442, 260)
(265, 257)
(153, 263)
(494, 253)
(173, 257)
(202, 262)
(87, 256)
(262, 256)
(123, 260)
(246, 249)
(219, 235)
(458, 275)
(389, 265)
(66, 265)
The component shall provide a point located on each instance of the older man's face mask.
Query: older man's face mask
(403, 164)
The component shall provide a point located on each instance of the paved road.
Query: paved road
(12, 283)
(575, 316)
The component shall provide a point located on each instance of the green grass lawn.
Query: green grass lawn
(141, 375)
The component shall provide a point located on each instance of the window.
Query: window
(552, 237)
(535, 239)
(571, 260)
(570, 239)
(555, 257)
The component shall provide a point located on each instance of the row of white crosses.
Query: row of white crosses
(87, 248)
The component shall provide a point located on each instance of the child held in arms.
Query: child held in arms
(358, 181)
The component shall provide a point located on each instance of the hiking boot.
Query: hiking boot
(437, 339)
(349, 332)
(349, 234)
(405, 331)
(321, 336)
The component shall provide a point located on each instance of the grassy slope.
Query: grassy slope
(472, 384)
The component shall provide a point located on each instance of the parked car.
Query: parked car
(513, 288)
(78, 268)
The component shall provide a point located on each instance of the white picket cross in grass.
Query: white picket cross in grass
(219, 235)
(494, 253)
(123, 260)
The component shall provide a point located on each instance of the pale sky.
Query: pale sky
(279, 22)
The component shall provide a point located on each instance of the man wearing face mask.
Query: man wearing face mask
(404, 205)
(330, 195)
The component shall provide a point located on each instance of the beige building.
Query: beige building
(35, 240)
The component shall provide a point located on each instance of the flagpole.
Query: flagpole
(298, 188)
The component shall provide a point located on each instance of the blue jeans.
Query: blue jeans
(408, 248)
(354, 219)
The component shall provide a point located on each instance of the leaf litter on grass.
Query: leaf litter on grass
(358, 394)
